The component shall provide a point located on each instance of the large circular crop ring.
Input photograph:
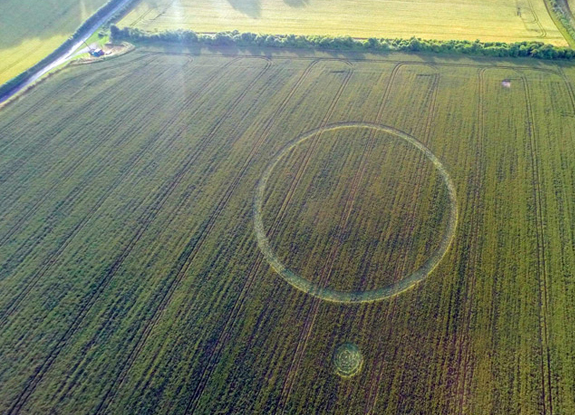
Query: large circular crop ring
(329, 294)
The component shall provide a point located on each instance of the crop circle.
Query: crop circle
(333, 295)
(347, 360)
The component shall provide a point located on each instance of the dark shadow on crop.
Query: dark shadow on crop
(298, 4)
(20, 21)
(251, 8)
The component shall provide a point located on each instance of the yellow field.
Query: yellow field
(31, 30)
(487, 20)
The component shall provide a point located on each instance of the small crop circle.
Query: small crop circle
(378, 294)
(347, 360)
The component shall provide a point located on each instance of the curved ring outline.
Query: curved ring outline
(337, 296)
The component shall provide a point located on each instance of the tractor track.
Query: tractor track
(238, 305)
(432, 98)
(73, 193)
(477, 66)
(569, 87)
(173, 182)
(267, 126)
(546, 372)
(297, 178)
(189, 253)
(543, 32)
(308, 323)
(49, 261)
(251, 276)
(177, 209)
(466, 369)
(240, 302)
(373, 394)
(303, 166)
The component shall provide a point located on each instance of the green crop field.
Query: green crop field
(209, 234)
(31, 30)
(487, 20)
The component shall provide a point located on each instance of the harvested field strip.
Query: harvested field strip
(488, 21)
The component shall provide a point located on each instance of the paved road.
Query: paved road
(65, 55)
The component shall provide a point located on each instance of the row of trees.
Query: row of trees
(345, 43)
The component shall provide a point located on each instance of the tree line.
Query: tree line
(532, 49)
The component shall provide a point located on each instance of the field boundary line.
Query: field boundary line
(435, 63)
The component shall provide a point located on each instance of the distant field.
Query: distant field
(31, 30)
(487, 20)
(131, 280)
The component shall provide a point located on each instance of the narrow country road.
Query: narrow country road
(66, 55)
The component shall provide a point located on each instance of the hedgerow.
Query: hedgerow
(532, 49)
